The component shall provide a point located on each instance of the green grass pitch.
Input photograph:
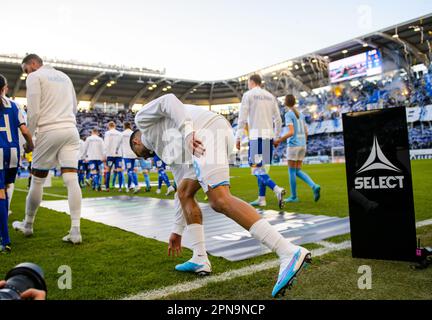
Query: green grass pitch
(112, 263)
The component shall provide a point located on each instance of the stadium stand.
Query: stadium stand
(323, 110)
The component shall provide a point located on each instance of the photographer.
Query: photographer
(30, 294)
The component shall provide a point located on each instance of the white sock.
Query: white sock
(270, 237)
(262, 199)
(34, 199)
(196, 232)
(74, 197)
(9, 192)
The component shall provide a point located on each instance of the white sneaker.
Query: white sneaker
(136, 189)
(170, 190)
(158, 191)
(23, 227)
(127, 190)
(73, 237)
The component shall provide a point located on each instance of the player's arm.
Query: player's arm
(74, 99)
(29, 146)
(277, 119)
(33, 102)
(103, 149)
(169, 106)
(290, 133)
(242, 120)
(174, 243)
(306, 131)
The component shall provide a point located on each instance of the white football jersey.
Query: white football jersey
(82, 155)
(127, 151)
(260, 111)
(51, 100)
(113, 143)
(94, 148)
(165, 122)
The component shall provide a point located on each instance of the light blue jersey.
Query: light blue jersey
(299, 137)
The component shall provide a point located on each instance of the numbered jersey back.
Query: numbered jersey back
(10, 120)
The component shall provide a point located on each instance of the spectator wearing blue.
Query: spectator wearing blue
(297, 137)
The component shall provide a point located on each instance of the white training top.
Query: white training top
(260, 111)
(166, 122)
(113, 143)
(127, 151)
(51, 100)
(94, 148)
(82, 155)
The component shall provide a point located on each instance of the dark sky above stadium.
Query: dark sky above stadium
(195, 39)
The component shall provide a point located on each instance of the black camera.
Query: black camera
(21, 278)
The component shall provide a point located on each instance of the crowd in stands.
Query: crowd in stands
(89, 119)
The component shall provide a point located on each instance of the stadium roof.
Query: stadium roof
(406, 44)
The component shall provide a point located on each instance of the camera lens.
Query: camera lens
(21, 278)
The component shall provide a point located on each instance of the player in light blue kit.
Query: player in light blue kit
(162, 176)
(297, 138)
(11, 119)
(146, 166)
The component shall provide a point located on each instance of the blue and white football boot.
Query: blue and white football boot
(291, 267)
(201, 269)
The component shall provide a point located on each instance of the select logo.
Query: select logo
(378, 161)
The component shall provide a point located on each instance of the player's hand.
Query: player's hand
(34, 294)
(174, 245)
(276, 143)
(2, 284)
(238, 144)
(28, 148)
(195, 145)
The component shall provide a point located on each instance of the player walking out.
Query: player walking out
(297, 136)
(51, 110)
(206, 140)
(162, 176)
(129, 158)
(94, 151)
(11, 120)
(113, 143)
(146, 166)
(82, 164)
(260, 112)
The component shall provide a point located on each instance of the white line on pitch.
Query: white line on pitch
(424, 223)
(328, 247)
(45, 194)
(229, 275)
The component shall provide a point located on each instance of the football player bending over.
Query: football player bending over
(196, 143)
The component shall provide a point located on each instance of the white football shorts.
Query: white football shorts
(296, 153)
(212, 169)
(59, 147)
